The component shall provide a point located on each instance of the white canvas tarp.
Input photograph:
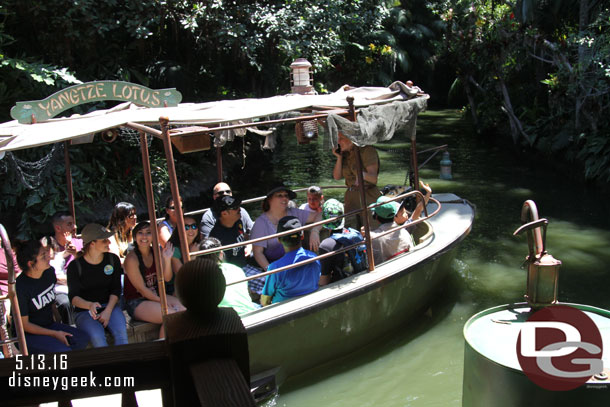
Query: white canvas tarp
(15, 136)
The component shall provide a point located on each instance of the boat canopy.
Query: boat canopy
(379, 116)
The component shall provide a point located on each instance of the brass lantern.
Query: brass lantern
(301, 77)
(542, 268)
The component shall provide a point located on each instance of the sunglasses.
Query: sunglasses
(225, 192)
(193, 226)
(173, 207)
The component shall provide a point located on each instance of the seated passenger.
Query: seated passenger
(166, 226)
(65, 246)
(275, 207)
(403, 214)
(296, 281)
(394, 243)
(315, 199)
(236, 295)
(229, 229)
(209, 219)
(141, 286)
(36, 295)
(193, 238)
(94, 282)
(343, 264)
(122, 221)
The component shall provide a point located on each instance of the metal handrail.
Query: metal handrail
(260, 198)
(312, 225)
(302, 228)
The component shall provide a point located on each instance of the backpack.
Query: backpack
(355, 258)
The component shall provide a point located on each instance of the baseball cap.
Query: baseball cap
(331, 209)
(289, 223)
(94, 231)
(386, 211)
(314, 189)
(225, 202)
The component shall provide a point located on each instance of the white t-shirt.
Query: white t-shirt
(390, 244)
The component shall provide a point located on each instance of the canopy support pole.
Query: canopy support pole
(150, 201)
(414, 162)
(219, 162)
(361, 188)
(69, 180)
(173, 183)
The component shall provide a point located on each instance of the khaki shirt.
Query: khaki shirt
(369, 156)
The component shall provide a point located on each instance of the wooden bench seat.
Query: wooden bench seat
(139, 331)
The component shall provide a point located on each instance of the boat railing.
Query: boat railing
(258, 199)
(320, 223)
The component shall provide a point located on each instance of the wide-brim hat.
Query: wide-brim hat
(291, 193)
(94, 231)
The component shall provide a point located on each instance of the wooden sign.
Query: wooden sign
(42, 110)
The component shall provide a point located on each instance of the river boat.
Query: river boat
(287, 338)
(346, 315)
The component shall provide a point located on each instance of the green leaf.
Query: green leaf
(33, 199)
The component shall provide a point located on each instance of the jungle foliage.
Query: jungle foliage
(536, 71)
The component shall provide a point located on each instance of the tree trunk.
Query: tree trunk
(515, 124)
(471, 102)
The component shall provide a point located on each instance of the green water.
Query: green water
(421, 363)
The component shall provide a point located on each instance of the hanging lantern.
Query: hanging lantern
(306, 131)
(110, 135)
(446, 166)
(301, 77)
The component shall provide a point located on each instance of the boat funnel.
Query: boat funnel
(542, 268)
